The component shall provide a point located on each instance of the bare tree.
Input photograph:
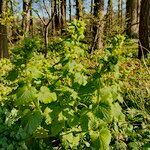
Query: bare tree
(45, 20)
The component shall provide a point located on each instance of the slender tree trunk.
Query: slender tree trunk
(132, 9)
(92, 6)
(120, 14)
(3, 32)
(144, 29)
(46, 39)
(79, 9)
(53, 20)
(63, 15)
(91, 21)
(109, 19)
(59, 14)
(56, 17)
(14, 27)
(70, 10)
(31, 22)
(138, 11)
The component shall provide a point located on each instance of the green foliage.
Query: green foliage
(25, 50)
(45, 96)
(31, 121)
(101, 139)
(25, 95)
(76, 30)
(59, 102)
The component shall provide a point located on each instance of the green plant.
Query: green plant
(59, 102)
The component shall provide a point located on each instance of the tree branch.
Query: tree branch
(130, 27)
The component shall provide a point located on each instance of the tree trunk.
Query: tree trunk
(63, 15)
(144, 29)
(138, 11)
(79, 9)
(46, 39)
(70, 11)
(53, 20)
(26, 16)
(109, 19)
(92, 6)
(56, 17)
(31, 21)
(98, 28)
(120, 14)
(132, 17)
(59, 14)
(3, 32)
(14, 27)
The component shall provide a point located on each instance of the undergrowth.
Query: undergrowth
(71, 100)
